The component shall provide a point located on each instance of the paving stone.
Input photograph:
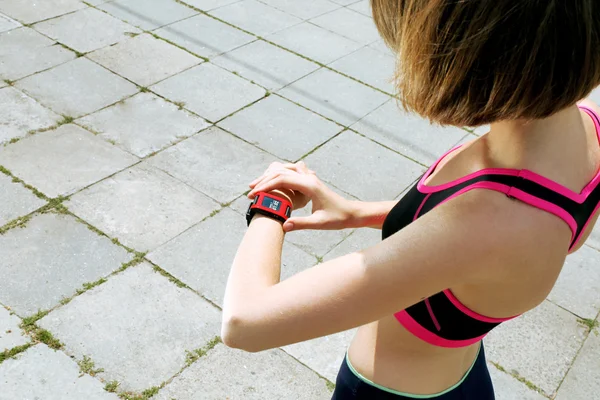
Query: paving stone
(142, 207)
(594, 238)
(148, 14)
(7, 23)
(204, 36)
(207, 5)
(578, 286)
(408, 134)
(508, 388)
(234, 374)
(345, 2)
(314, 42)
(306, 9)
(539, 346)
(281, 127)
(265, 64)
(480, 130)
(369, 66)
(350, 24)
(336, 162)
(363, 7)
(16, 200)
(583, 379)
(209, 91)
(143, 124)
(24, 52)
(194, 259)
(137, 327)
(255, 17)
(334, 96)
(358, 240)
(144, 59)
(380, 45)
(323, 355)
(215, 163)
(86, 30)
(77, 88)
(63, 161)
(22, 114)
(49, 259)
(10, 333)
(42, 373)
(30, 11)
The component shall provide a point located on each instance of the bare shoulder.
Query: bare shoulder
(520, 235)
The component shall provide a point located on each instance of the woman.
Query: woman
(484, 234)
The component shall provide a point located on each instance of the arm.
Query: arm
(369, 214)
(442, 249)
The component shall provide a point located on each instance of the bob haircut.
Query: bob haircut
(473, 62)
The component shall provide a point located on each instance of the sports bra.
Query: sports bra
(441, 319)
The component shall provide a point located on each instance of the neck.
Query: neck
(515, 144)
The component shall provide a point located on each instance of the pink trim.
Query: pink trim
(413, 327)
(496, 171)
(433, 167)
(421, 206)
(472, 313)
(432, 315)
(527, 174)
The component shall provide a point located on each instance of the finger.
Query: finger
(269, 176)
(286, 181)
(274, 167)
(299, 223)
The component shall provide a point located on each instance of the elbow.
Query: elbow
(236, 335)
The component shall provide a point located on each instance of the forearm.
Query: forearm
(370, 214)
(256, 265)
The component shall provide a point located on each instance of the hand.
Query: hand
(329, 210)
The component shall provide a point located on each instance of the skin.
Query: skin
(482, 245)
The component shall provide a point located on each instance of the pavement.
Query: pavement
(129, 130)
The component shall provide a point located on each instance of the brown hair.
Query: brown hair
(473, 62)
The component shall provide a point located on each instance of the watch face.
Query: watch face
(273, 204)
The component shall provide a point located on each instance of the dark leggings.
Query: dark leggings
(477, 385)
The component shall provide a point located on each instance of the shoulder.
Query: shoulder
(486, 227)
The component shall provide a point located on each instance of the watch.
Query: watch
(272, 206)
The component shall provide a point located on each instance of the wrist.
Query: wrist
(369, 214)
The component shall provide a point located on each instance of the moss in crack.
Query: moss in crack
(194, 355)
(137, 259)
(44, 336)
(179, 104)
(90, 285)
(111, 386)
(589, 323)
(9, 353)
(20, 222)
(66, 120)
(12, 141)
(517, 376)
(145, 395)
(37, 334)
(170, 277)
(330, 385)
(9, 82)
(28, 323)
(87, 366)
(143, 89)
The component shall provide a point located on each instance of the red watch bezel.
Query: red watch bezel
(281, 214)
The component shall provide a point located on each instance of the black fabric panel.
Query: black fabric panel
(403, 212)
(454, 324)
